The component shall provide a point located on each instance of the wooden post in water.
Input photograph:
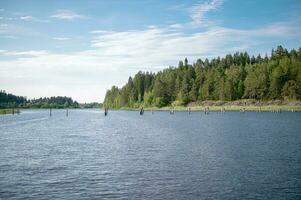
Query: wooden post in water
(67, 112)
(13, 111)
(50, 112)
(172, 111)
(141, 111)
(206, 110)
(106, 111)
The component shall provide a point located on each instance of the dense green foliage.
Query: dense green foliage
(90, 105)
(12, 101)
(53, 102)
(233, 77)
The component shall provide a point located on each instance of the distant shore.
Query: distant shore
(9, 111)
(4, 111)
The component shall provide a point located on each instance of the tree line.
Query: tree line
(8, 100)
(233, 77)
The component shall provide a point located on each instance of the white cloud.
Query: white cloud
(198, 12)
(25, 53)
(27, 18)
(61, 38)
(176, 26)
(67, 15)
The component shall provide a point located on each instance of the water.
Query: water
(159, 156)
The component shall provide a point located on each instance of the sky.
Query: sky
(82, 48)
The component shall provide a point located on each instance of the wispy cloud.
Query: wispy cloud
(61, 38)
(176, 26)
(198, 12)
(177, 7)
(25, 53)
(27, 18)
(67, 15)
(164, 46)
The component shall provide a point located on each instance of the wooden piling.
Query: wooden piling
(50, 112)
(67, 113)
(172, 111)
(141, 111)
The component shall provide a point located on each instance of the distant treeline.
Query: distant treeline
(234, 77)
(12, 101)
(90, 105)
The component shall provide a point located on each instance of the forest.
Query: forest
(8, 100)
(233, 77)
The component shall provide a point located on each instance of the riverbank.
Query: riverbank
(273, 108)
(9, 111)
(240, 105)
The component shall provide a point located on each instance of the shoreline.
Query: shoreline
(269, 108)
(238, 105)
(214, 108)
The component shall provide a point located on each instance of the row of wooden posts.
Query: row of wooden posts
(171, 111)
(206, 110)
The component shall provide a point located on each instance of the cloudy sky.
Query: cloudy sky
(82, 48)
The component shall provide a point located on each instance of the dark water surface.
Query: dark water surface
(159, 156)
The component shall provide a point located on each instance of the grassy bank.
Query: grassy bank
(234, 108)
(6, 111)
(247, 105)
(226, 108)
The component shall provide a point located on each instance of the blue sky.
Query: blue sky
(82, 48)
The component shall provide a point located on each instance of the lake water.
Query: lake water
(155, 156)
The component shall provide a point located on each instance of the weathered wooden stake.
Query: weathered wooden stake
(172, 111)
(141, 111)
